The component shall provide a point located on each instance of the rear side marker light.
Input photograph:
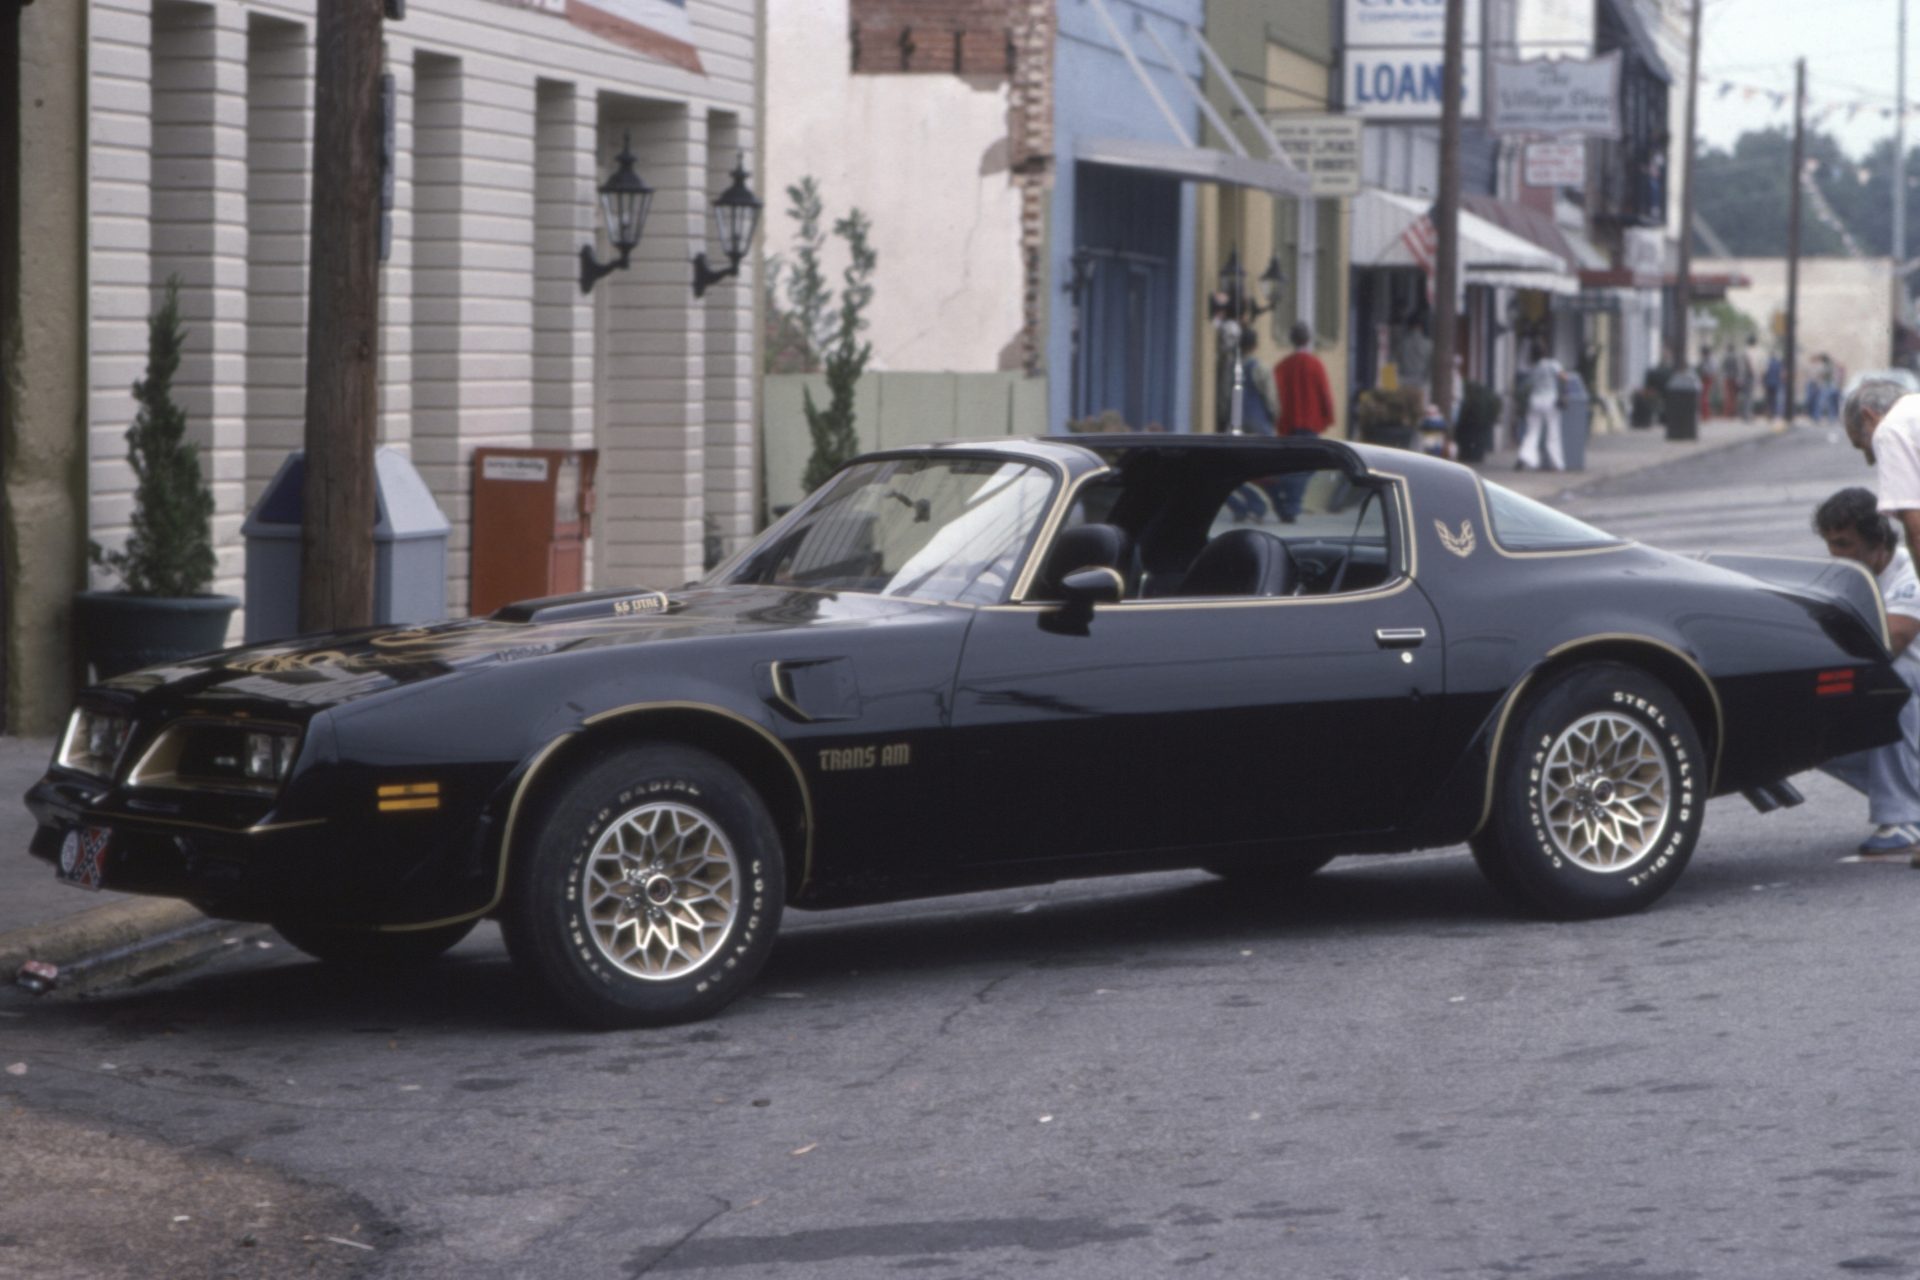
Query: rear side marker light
(401, 796)
(1830, 684)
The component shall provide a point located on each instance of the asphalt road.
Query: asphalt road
(1382, 1073)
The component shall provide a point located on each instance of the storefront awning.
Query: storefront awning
(1193, 164)
(1488, 254)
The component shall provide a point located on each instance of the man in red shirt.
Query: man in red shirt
(1300, 380)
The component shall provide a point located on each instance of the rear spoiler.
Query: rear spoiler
(1829, 578)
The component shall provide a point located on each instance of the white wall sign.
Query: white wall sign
(1325, 148)
(1562, 96)
(511, 468)
(1404, 84)
(1404, 24)
(1555, 164)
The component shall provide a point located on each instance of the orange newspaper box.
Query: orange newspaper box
(532, 515)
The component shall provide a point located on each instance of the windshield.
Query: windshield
(1521, 524)
(940, 528)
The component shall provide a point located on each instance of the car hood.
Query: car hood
(313, 672)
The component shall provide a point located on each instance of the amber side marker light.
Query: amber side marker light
(409, 795)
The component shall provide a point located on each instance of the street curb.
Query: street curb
(122, 942)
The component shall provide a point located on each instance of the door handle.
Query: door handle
(1399, 637)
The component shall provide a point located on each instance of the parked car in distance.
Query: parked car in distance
(981, 665)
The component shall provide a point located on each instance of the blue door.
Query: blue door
(1127, 231)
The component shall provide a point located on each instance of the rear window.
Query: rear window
(1521, 524)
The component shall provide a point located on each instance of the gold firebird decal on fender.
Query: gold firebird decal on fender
(1461, 544)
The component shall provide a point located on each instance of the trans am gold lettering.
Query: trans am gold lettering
(841, 759)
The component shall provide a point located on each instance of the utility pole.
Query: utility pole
(1683, 287)
(343, 319)
(1446, 213)
(1793, 227)
(1899, 185)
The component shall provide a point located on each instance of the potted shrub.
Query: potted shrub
(1389, 417)
(163, 611)
(1479, 415)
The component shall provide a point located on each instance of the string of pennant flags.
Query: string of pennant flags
(1817, 110)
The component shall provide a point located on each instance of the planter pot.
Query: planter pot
(119, 632)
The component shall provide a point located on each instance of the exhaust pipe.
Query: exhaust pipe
(1774, 795)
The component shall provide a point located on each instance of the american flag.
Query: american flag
(1423, 242)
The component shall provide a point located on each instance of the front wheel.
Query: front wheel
(652, 892)
(1598, 798)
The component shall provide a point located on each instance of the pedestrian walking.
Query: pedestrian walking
(1774, 380)
(1752, 383)
(1543, 382)
(1305, 399)
(1855, 529)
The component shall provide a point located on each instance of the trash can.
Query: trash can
(1683, 406)
(409, 548)
(1576, 421)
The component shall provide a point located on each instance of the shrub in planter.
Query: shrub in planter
(163, 611)
(1388, 417)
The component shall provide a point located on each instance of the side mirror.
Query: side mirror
(1093, 585)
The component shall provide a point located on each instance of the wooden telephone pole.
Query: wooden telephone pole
(1446, 213)
(343, 319)
(1793, 228)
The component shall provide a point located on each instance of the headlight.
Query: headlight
(94, 741)
(208, 754)
(270, 756)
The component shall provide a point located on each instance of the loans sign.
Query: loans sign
(1394, 59)
(1563, 97)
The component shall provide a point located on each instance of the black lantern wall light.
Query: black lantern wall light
(1233, 283)
(625, 199)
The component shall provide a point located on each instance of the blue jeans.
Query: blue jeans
(1888, 776)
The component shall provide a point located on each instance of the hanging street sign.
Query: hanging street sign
(1565, 97)
(1325, 148)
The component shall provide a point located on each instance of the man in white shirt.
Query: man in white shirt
(1883, 422)
(1854, 529)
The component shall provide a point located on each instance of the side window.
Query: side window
(1336, 532)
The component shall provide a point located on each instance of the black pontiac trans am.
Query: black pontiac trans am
(977, 665)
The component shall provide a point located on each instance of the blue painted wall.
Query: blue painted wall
(1097, 95)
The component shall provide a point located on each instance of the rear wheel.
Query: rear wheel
(1598, 798)
(373, 948)
(653, 891)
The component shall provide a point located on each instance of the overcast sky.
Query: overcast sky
(1849, 48)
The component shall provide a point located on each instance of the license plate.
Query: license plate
(83, 857)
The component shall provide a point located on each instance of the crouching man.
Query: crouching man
(1854, 529)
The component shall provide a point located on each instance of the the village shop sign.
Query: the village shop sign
(1562, 97)
(1394, 57)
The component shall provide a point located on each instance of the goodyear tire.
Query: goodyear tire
(1598, 796)
(652, 891)
(372, 949)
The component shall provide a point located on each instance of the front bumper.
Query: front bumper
(242, 858)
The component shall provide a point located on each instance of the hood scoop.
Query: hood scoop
(590, 605)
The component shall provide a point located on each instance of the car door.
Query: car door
(1195, 722)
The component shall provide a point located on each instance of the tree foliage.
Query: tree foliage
(844, 353)
(170, 549)
(1743, 195)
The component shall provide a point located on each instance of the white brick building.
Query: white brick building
(200, 123)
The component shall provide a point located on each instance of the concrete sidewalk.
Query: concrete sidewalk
(43, 919)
